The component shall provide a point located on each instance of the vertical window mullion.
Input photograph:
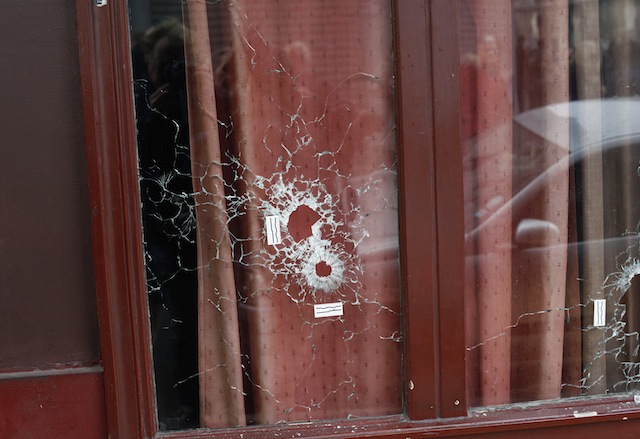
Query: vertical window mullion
(417, 199)
(449, 208)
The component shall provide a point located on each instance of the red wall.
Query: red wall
(48, 317)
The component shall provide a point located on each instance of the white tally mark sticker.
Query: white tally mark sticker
(327, 310)
(599, 312)
(272, 227)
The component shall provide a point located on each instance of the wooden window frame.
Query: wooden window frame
(432, 248)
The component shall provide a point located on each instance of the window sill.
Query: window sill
(558, 417)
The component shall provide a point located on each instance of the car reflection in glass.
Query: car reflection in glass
(605, 131)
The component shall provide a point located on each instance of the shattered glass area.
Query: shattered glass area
(270, 218)
(619, 343)
(310, 260)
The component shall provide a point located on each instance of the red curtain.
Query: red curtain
(303, 135)
(516, 297)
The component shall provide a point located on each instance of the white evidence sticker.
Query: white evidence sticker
(599, 312)
(272, 227)
(335, 309)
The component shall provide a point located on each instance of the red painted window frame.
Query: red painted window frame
(432, 247)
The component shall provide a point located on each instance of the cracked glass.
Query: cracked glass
(266, 142)
(551, 146)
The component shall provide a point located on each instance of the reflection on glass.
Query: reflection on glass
(551, 150)
(268, 189)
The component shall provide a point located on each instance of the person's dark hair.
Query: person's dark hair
(170, 27)
(170, 33)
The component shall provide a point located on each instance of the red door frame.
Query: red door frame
(117, 236)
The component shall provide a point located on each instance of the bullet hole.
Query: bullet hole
(300, 222)
(323, 269)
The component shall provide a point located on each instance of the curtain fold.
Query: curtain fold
(520, 288)
(220, 368)
(487, 133)
(589, 87)
(494, 179)
(540, 277)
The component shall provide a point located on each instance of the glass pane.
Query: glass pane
(268, 188)
(551, 152)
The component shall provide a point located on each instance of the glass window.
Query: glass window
(266, 146)
(267, 176)
(550, 100)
